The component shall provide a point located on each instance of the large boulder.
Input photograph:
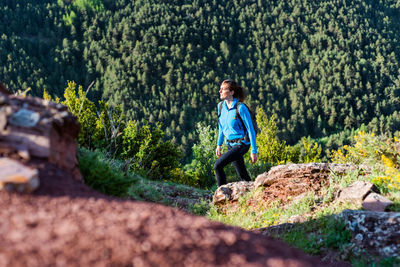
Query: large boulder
(376, 232)
(33, 129)
(295, 181)
(284, 181)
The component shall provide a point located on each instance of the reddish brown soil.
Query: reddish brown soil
(65, 223)
(285, 189)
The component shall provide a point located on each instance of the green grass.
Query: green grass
(172, 194)
(103, 176)
(395, 197)
(316, 234)
(240, 215)
(106, 176)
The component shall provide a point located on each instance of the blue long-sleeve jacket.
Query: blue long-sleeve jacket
(231, 127)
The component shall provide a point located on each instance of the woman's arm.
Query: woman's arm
(245, 115)
(220, 139)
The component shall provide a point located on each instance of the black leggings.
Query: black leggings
(234, 155)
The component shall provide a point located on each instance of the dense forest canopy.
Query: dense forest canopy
(319, 66)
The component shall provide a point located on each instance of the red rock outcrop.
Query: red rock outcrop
(34, 129)
(284, 181)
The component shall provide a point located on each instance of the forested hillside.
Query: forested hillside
(319, 66)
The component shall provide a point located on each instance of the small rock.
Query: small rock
(359, 238)
(356, 192)
(24, 118)
(222, 194)
(15, 176)
(297, 219)
(60, 107)
(376, 202)
(232, 191)
(264, 180)
(3, 99)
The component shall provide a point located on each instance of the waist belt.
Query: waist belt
(237, 140)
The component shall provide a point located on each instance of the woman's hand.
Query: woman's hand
(218, 151)
(254, 158)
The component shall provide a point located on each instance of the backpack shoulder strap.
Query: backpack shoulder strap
(238, 114)
(220, 108)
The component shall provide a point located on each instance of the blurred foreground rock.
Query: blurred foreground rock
(33, 129)
(15, 176)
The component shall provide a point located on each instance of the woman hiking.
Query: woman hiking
(238, 132)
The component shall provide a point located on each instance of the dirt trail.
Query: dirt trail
(65, 223)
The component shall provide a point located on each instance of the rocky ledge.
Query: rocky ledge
(284, 181)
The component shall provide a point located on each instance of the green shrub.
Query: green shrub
(310, 151)
(201, 169)
(273, 151)
(270, 148)
(257, 168)
(85, 110)
(100, 129)
(182, 177)
(143, 148)
(200, 208)
(382, 154)
(101, 176)
(148, 153)
(110, 123)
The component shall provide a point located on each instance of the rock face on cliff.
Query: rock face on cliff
(65, 223)
(32, 129)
